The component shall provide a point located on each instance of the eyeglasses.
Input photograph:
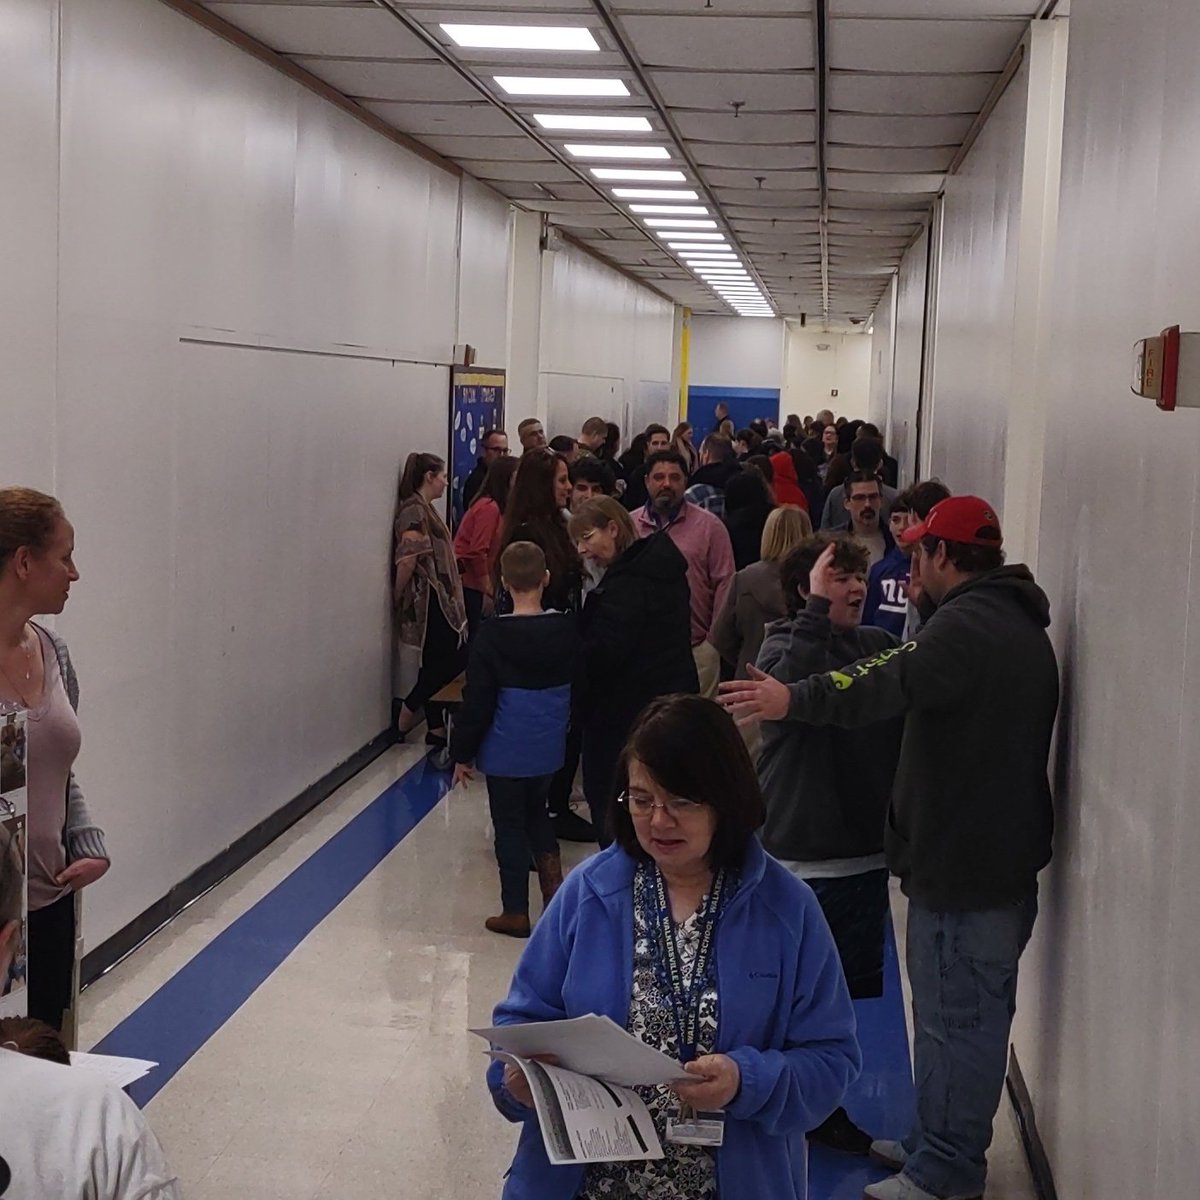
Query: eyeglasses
(643, 806)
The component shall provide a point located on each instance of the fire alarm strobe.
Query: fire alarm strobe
(1166, 369)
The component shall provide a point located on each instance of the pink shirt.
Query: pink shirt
(704, 541)
(477, 542)
(52, 731)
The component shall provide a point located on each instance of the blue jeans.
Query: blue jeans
(963, 971)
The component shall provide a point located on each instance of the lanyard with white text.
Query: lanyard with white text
(685, 1002)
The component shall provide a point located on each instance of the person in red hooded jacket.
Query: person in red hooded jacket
(796, 480)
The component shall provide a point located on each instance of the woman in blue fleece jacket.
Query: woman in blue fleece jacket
(772, 1035)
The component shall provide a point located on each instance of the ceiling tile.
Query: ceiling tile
(738, 43)
(717, 91)
(978, 9)
(474, 120)
(772, 180)
(311, 29)
(493, 149)
(781, 129)
(922, 45)
(764, 199)
(855, 130)
(752, 158)
(873, 158)
(866, 181)
(890, 95)
(419, 83)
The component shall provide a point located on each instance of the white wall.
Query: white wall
(812, 374)
(883, 352)
(606, 346)
(908, 334)
(219, 365)
(739, 352)
(1109, 1019)
(968, 411)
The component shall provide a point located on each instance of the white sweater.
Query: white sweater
(67, 1135)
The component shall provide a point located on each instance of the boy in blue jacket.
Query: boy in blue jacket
(513, 724)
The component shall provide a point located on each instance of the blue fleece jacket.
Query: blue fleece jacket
(785, 1017)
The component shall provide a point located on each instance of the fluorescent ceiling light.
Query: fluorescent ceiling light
(681, 210)
(638, 175)
(581, 123)
(669, 225)
(653, 194)
(716, 242)
(588, 151)
(695, 260)
(521, 37)
(544, 85)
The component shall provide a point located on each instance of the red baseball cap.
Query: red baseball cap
(958, 519)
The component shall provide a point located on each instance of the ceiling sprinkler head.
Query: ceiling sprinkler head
(737, 106)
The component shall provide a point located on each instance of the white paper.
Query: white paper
(591, 1045)
(585, 1121)
(120, 1072)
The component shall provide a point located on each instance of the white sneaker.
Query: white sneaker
(900, 1187)
(889, 1154)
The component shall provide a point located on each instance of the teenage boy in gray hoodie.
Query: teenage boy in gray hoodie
(827, 789)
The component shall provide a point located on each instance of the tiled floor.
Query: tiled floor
(349, 1072)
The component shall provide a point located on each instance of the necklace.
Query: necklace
(21, 691)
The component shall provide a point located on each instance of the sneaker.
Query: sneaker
(839, 1132)
(515, 925)
(571, 827)
(900, 1187)
(889, 1154)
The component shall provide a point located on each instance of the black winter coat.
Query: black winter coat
(637, 631)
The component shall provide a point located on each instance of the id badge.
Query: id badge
(696, 1129)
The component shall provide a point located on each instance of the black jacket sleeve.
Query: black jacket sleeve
(932, 671)
(803, 649)
(482, 690)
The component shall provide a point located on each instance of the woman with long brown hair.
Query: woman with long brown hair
(431, 616)
(65, 847)
(477, 541)
(681, 440)
(541, 494)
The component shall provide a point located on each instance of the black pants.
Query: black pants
(604, 737)
(51, 960)
(473, 598)
(560, 788)
(523, 832)
(442, 658)
(856, 907)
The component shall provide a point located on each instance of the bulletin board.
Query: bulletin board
(476, 404)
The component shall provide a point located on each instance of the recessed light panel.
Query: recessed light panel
(588, 124)
(677, 226)
(635, 174)
(681, 210)
(588, 151)
(544, 85)
(654, 194)
(522, 37)
(679, 243)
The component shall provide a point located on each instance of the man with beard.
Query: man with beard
(703, 540)
(864, 501)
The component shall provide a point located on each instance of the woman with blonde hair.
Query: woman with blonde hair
(756, 597)
(681, 440)
(637, 638)
(65, 847)
(431, 616)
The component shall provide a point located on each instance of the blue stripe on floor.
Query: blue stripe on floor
(175, 1022)
(881, 1100)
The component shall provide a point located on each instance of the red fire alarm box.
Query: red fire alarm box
(1166, 369)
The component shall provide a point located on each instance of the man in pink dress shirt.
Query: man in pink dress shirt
(703, 540)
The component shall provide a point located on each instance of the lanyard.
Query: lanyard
(685, 1003)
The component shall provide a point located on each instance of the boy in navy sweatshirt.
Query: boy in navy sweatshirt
(513, 725)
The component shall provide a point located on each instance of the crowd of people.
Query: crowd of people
(787, 681)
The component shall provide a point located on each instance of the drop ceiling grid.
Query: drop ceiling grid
(906, 79)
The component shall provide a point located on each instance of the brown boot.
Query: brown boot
(549, 869)
(514, 925)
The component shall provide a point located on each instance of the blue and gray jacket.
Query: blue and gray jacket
(517, 702)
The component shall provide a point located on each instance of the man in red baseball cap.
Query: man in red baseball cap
(969, 826)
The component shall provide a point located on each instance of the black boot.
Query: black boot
(838, 1132)
(569, 826)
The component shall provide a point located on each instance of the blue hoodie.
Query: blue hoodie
(886, 603)
(785, 1017)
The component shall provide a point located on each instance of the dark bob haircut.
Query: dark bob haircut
(692, 748)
